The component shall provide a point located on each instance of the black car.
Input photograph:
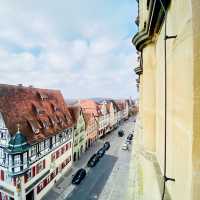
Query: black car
(121, 133)
(79, 176)
(106, 145)
(93, 160)
(130, 137)
(101, 152)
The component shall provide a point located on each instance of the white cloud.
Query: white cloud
(35, 49)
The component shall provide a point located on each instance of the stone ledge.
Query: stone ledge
(145, 179)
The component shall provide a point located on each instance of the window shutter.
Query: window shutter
(43, 164)
(26, 178)
(33, 171)
(52, 157)
(2, 175)
(57, 154)
(62, 150)
(66, 146)
(14, 182)
(37, 168)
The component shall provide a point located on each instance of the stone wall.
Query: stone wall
(183, 98)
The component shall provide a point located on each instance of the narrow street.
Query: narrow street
(108, 179)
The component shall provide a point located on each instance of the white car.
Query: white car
(125, 146)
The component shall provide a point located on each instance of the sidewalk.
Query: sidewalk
(64, 187)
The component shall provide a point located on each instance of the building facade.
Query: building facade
(36, 132)
(80, 136)
(168, 43)
(91, 129)
(105, 123)
(126, 110)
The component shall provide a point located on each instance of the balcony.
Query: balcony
(138, 70)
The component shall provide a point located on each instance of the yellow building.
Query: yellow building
(169, 89)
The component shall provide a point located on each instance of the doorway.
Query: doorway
(30, 195)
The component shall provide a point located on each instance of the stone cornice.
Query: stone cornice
(153, 24)
(138, 70)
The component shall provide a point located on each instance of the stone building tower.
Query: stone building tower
(169, 87)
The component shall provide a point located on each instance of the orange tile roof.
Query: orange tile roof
(90, 106)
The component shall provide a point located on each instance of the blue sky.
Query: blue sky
(82, 47)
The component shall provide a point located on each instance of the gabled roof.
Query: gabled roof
(115, 106)
(75, 112)
(88, 117)
(90, 106)
(40, 112)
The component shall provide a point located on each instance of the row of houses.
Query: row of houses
(41, 136)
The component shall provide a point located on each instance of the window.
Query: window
(51, 119)
(37, 110)
(25, 158)
(55, 108)
(45, 124)
(41, 146)
(34, 126)
(1, 153)
(53, 140)
(33, 150)
(40, 166)
(47, 143)
(53, 157)
(17, 160)
(57, 138)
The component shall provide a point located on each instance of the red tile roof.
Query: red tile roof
(75, 112)
(40, 112)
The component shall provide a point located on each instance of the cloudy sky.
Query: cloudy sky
(82, 47)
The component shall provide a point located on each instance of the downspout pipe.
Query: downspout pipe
(166, 37)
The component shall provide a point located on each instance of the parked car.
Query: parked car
(130, 136)
(125, 146)
(106, 145)
(101, 152)
(93, 160)
(120, 133)
(79, 176)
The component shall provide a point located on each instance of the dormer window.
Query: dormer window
(42, 96)
(51, 119)
(45, 124)
(60, 120)
(35, 126)
(55, 108)
(37, 110)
